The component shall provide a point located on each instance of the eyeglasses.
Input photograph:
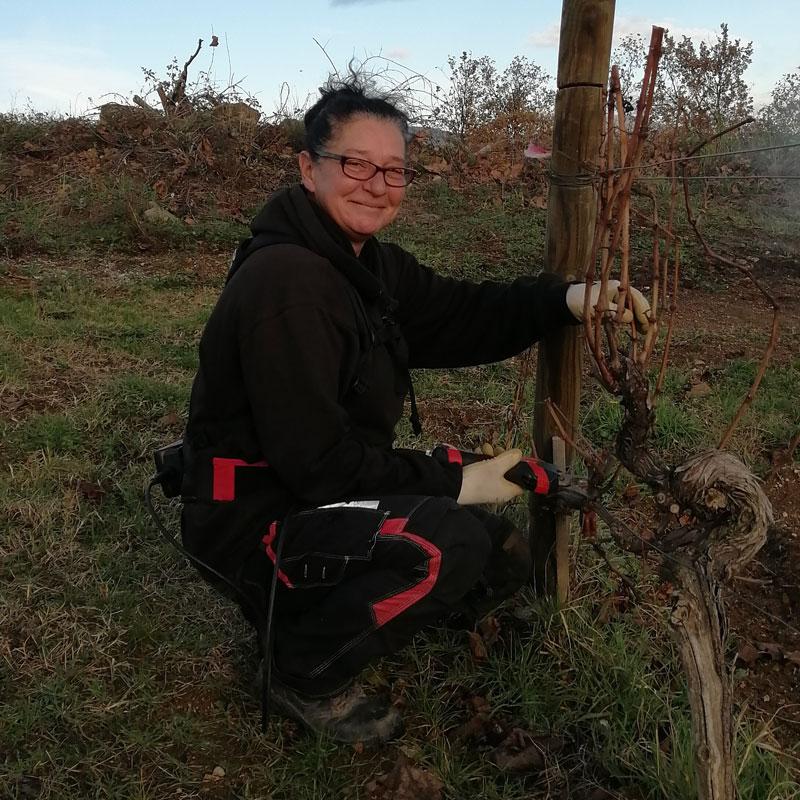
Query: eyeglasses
(362, 170)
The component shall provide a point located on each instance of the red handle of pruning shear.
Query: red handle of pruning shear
(531, 474)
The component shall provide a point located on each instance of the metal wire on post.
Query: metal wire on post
(700, 156)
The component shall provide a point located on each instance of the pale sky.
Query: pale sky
(55, 56)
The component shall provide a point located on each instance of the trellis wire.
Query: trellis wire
(710, 155)
(722, 178)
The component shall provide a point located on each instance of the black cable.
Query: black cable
(262, 619)
(171, 540)
(267, 640)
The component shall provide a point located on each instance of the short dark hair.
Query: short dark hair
(340, 100)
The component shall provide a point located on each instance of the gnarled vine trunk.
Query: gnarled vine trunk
(718, 516)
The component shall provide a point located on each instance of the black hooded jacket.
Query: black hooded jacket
(292, 374)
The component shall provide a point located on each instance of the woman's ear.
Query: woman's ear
(306, 170)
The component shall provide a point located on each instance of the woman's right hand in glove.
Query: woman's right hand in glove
(483, 481)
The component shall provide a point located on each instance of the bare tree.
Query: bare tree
(467, 102)
(782, 115)
(699, 87)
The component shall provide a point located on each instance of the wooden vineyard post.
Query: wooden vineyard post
(583, 62)
(562, 527)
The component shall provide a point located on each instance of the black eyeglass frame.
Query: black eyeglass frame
(408, 174)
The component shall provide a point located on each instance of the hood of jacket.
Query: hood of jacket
(290, 216)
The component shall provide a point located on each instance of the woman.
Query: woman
(302, 379)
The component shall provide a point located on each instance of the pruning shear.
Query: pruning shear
(532, 474)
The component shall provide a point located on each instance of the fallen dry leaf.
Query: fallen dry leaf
(631, 493)
(480, 705)
(772, 649)
(170, 420)
(205, 150)
(610, 607)
(489, 629)
(406, 781)
(471, 729)
(479, 723)
(747, 653)
(93, 492)
(477, 646)
(750, 653)
(521, 751)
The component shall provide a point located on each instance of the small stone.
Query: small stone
(766, 698)
(218, 772)
(701, 389)
(160, 216)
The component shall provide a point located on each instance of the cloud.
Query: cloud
(398, 54)
(626, 26)
(57, 77)
(547, 38)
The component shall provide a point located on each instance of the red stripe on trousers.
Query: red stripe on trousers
(388, 608)
(268, 540)
(224, 486)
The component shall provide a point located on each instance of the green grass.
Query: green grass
(772, 418)
(475, 234)
(54, 433)
(125, 676)
(104, 213)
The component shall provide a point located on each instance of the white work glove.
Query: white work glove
(483, 481)
(641, 308)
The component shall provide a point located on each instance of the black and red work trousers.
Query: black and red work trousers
(358, 580)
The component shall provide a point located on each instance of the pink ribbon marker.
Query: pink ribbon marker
(534, 150)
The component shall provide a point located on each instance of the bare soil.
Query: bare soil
(764, 614)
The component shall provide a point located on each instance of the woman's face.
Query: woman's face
(359, 208)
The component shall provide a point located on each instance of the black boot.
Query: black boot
(348, 717)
